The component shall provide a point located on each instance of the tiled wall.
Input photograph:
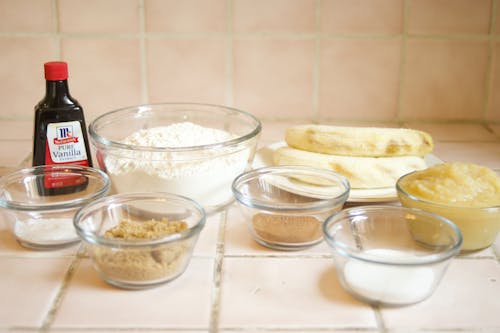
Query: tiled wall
(319, 60)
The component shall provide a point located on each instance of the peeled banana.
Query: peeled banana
(359, 141)
(362, 172)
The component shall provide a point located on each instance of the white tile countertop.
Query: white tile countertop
(232, 284)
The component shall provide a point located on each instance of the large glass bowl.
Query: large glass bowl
(136, 256)
(39, 203)
(391, 255)
(191, 166)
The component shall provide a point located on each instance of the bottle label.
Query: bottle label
(65, 145)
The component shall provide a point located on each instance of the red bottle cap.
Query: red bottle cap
(56, 70)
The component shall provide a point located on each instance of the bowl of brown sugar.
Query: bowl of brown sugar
(285, 206)
(140, 240)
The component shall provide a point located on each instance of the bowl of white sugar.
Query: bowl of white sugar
(193, 150)
(384, 256)
(39, 203)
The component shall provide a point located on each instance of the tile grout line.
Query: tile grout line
(143, 54)
(70, 272)
(402, 65)
(55, 29)
(229, 97)
(217, 277)
(379, 319)
(316, 75)
(250, 35)
(490, 63)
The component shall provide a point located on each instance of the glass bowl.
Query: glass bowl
(285, 206)
(140, 240)
(391, 255)
(193, 150)
(39, 202)
(479, 225)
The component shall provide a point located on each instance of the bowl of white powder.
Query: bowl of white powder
(193, 150)
(384, 255)
(39, 203)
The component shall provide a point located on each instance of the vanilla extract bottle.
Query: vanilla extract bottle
(60, 135)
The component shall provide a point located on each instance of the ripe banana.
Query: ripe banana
(359, 141)
(362, 172)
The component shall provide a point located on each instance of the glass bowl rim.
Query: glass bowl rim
(412, 197)
(65, 204)
(95, 239)
(347, 251)
(153, 107)
(250, 202)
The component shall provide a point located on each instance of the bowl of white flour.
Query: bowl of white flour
(193, 150)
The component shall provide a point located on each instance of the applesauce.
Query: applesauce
(466, 193)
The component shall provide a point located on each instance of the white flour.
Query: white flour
(204, 175)
(389, 284)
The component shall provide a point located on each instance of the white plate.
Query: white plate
(264, 157)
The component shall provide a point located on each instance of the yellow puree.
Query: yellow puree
(457, 183)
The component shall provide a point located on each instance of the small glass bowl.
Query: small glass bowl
(479, 225)
(39, 202)
(285, 206)
(391, 255)
(139, 262)
(201, 171)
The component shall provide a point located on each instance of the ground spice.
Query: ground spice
(143, 263)
(287, 228)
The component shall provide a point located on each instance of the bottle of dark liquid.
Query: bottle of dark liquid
(60, 132)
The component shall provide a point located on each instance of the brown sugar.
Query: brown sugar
(128, 229)
(144, 263)
(287, 228)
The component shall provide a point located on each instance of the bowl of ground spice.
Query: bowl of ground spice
(285, 206)
(140, 240)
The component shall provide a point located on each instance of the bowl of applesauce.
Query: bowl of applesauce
(465, 193)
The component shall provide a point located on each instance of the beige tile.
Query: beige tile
(26, 83)
(184, 302)
(359, 78)
(186, 70)
(186, 16)
(358, 16)
(449, 16)
(455, 132)
(444, 79)
(104, 73)
(493, 113)
(14, 152)
(487, 153)
(288, 292)
(17, 130)
(466, 299)
(29, 287)
(26, 16)
(84, 16)
(274, 15)
(273, 78)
